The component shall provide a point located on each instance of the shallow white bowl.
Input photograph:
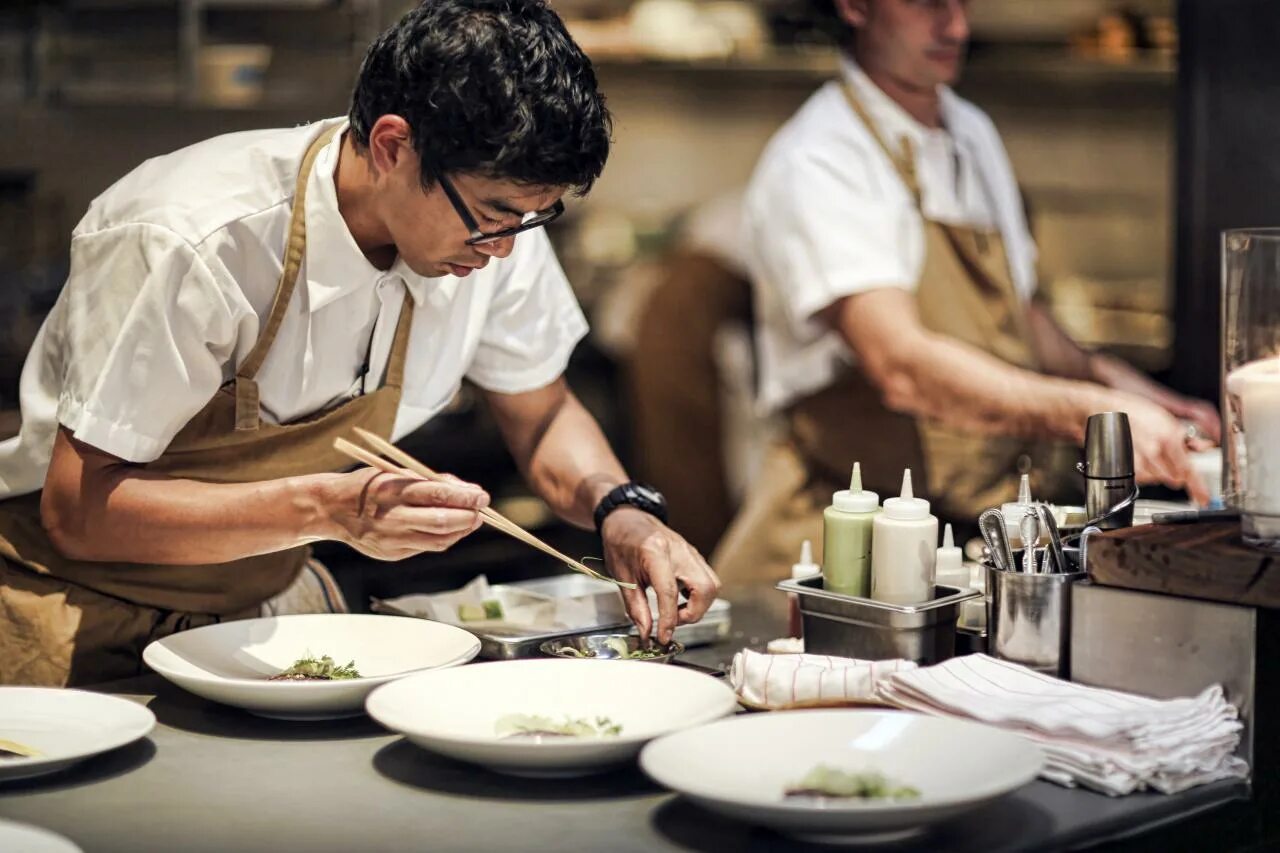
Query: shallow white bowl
(741, 768)
(65, 726)
(230, 662)
(453, 712)
(26, 838)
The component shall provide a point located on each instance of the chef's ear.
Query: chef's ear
(853, 12)
(390, 142)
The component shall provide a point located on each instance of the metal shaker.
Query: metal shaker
(1110, 486)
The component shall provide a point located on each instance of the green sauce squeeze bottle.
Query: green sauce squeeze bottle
(846, 538)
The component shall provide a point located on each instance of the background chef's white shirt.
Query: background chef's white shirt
(173, 270)
(827, 216)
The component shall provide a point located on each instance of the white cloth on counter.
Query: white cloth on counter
(1107, 740)
(777, 682)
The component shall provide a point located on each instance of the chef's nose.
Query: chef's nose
(498, 248)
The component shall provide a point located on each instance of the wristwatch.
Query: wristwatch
(638, 495)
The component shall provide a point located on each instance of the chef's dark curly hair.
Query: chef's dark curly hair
(494, 87)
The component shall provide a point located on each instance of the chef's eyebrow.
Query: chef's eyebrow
(502, 207)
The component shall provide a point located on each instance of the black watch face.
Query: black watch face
(648, 494)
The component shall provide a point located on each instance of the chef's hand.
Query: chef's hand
(643, 550)
(393, 516)
(1201, 413)
(1160, 449)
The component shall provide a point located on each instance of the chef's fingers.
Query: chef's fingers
(637, 604)
(701, 586)
(427, 493)
(433, 520)
(1180, 462)
(662, 578)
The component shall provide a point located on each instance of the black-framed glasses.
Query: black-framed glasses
(536, 219)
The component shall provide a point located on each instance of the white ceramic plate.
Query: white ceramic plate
(453, 712)
(32, 839)
(741, 768)
(65, 726)
(230, 662)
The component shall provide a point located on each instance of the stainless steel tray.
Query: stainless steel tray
(495, 645)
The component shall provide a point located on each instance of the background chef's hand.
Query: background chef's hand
(1160, 452)
(1203, 414)
(641, 549)
(390, 517)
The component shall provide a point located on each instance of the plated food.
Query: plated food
(537, 726)
(239, 663)
(46, 729)
(853, 774)
(309, 668)
(832, 783)
(586, 715)
(611, 647)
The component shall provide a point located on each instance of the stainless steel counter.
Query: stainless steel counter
(212, 778)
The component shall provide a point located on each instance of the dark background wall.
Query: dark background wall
(1228, 163)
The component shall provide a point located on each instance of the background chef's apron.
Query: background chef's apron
(68, 622)
(966, 292)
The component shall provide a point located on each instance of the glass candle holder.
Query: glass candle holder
(1251, 380)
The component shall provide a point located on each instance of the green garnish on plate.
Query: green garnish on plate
(317, 669)
(831, 782)
(534, 725)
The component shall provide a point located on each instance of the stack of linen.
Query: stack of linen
(1106, 740)
(781, 682)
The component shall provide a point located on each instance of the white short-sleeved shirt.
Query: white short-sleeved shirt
(173, 270)
(827, 216)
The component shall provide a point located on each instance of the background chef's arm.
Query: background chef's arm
(936, 376)
(1062, 356)
(559, 448)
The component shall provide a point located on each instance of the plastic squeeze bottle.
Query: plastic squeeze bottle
(1013, 512)
(949, 567)
(806, 568)
(846, 538)
(904, 548)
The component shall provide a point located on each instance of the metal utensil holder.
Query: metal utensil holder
(1029, 618)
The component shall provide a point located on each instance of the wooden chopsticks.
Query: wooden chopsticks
(488, 514)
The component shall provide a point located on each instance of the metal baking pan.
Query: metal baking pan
(495, 645)
(848, 626)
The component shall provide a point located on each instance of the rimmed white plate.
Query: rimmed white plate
(231, 662)
(65, 726)
(742, 767)
(28, 838)
(454, 712)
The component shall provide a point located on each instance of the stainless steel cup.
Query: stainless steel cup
(1029, 619)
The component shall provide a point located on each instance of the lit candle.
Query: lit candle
(1257, 387)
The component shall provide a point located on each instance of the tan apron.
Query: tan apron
(966, 292)
(67, 622)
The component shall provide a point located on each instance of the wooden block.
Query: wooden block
(1207, 560)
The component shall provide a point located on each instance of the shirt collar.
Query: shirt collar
(335, 265)
(891, 119)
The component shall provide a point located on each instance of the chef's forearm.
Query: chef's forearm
(97, 510)
(939, 377)
(561, 450)
(1056, 351)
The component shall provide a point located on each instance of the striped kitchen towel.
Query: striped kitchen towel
(778, 682)
(1107, 740)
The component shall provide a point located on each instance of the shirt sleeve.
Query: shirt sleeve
(143, 337)
(533, 322)
(819, 228)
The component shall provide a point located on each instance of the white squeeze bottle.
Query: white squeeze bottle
(1013, 512)
(806, 568)
(904, 546)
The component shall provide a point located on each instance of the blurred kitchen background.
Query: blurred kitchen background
(1108, 139)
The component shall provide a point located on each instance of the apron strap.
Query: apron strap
(904, 162)
(399, 344)
(246, 390)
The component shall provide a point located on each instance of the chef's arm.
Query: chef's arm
(1062, 356)
(565, 457)
(559, 448)
(928, 375)
(98, 507)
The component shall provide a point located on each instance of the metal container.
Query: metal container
(848, 626)
(1108, 470)
(510, 645)
(1029, 618)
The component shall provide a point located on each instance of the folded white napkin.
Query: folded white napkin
(1107, 740)
(776, 682)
